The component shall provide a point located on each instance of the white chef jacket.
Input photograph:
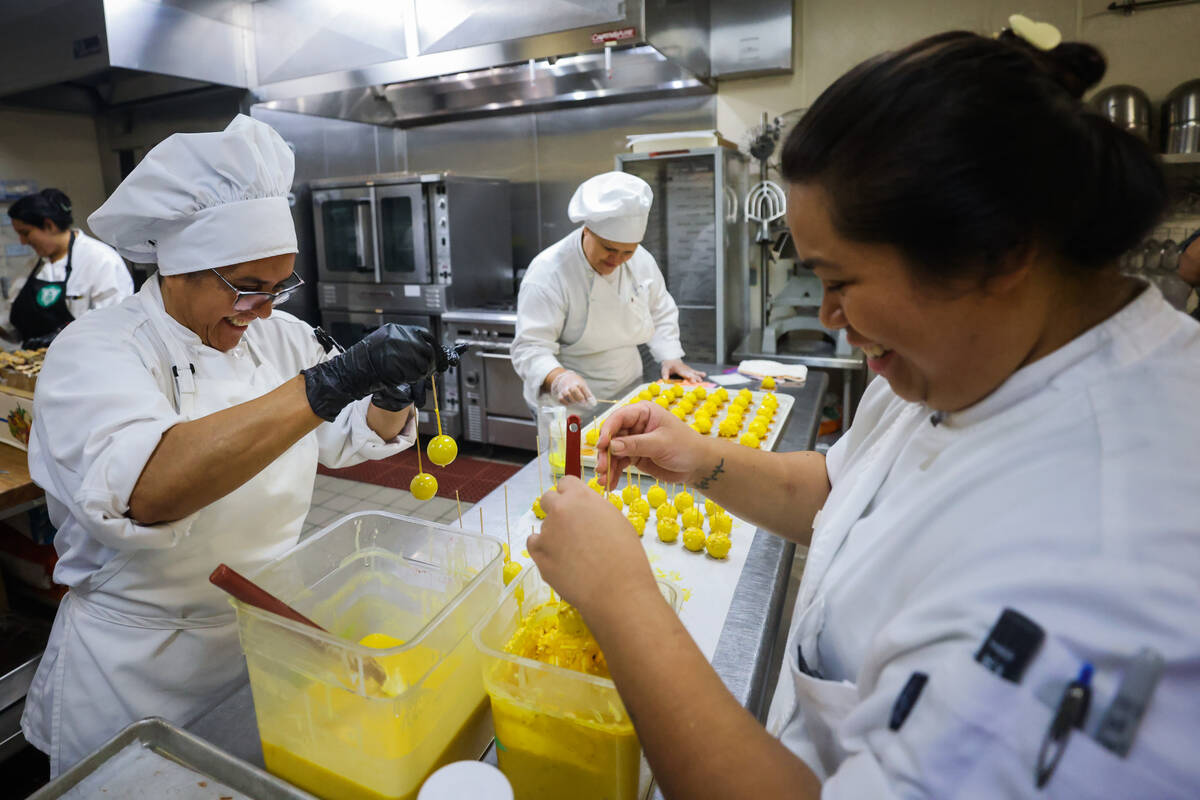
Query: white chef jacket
(1069, 494)
(553, 307)
(112, 367)
(99, 276)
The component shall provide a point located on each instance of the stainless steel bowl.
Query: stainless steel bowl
(1127, 106)
(1181, 113)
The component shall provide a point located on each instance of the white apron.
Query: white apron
(806, 710)
(150, 635)
(606, 355)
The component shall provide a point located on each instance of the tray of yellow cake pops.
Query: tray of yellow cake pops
(753, 418)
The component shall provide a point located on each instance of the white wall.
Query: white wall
(54, 149)
(1155, 49)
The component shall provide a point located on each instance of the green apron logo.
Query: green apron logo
(48, 295)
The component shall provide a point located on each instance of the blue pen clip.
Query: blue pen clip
(1071, 712)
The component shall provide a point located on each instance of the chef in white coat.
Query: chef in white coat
(591, 298)
(182, 428)
(1003, 459)
(72, 274)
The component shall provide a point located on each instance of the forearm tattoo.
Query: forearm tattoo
(704, 483)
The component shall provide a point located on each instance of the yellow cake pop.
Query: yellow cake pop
(758, 428)
(749, 440)
(702, 425)
(640, 507)
(616, 501)
(537, 508)
(654, 389)
(711, 508)
(656, 496)
(668, 530)
(666, 511)
(768, 383)
(720, 523)
(442, 449)
(719, 545)
(639, 523)
(423, 486)
(729, 428)
(693, 517)
(594, 484)
(693, 539)
(663, 401)
(683, 501)
(700, 392)
(646, 394)
(677, 390)
(511, 570)
(631, 493)
(592, 436)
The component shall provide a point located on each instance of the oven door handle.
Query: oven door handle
(506, 355)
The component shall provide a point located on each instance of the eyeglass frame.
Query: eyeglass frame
(279, 297)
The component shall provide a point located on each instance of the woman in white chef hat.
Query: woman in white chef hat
(590, 299)
(183, 427)
(1004, 532)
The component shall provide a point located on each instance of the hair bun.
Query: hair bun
(1077, 66)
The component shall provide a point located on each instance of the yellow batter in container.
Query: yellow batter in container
(561, 729)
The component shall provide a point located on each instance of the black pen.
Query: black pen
(1071, 712)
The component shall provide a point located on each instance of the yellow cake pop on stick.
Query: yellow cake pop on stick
(442, 448)
(423, 485)
(511, 568)
(631, 491)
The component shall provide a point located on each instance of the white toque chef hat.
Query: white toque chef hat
(201, 200)
(613, 205)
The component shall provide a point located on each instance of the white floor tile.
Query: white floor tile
(397, 498)
(342, 502)
(319, 516)
(361, 490)
(320, 496)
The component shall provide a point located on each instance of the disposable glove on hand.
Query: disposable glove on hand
(569, 388)
(385, 358)
(398, 398)
(673, 366)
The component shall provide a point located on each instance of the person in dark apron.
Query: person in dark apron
(40, 310)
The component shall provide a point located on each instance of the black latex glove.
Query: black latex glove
(385, 358)
(398, 398)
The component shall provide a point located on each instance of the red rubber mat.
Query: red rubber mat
(473, 478)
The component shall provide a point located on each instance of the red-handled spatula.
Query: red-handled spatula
(242, 588)
(573, 466)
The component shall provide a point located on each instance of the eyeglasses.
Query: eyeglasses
(248, 301)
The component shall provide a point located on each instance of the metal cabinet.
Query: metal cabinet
(697, 236)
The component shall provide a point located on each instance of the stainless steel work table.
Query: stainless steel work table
(744, 650)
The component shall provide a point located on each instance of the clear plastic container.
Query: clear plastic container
(326, 725)
(559, 733)
(552, 432)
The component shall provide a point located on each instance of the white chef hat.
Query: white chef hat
(200, 200)
(613, 205)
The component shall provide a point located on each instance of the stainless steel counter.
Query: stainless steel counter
(744, 650)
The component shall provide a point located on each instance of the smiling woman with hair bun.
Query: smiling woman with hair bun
(1025, 464)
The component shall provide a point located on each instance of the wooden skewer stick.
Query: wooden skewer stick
(481, 519)
(458, 502)
(417, 441)
(507, 533)
(436, 411)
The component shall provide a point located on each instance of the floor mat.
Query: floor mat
(472, 478)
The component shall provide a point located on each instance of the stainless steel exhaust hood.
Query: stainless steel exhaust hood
(89, 55)
(465, 58)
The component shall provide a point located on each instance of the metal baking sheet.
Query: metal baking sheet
(786, 401)
(154, 760)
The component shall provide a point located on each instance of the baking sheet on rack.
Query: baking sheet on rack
(705, 584)
(587, 453)
(137, 772)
